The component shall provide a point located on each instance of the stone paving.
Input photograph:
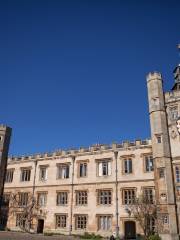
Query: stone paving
(26, 236)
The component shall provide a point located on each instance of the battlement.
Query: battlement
(83, 150)
(154, 75)
(172, 96)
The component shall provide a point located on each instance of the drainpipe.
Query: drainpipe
(34, 180)
(72, 196)
(117, 207)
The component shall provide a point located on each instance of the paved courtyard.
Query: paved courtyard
(26, 236)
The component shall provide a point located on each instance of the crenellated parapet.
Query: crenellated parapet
(154, 75)
(83, 150)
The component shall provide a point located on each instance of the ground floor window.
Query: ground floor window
(81, 221)
(20, 220)
(104, 222)
(61, 221)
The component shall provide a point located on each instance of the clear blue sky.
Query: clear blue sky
(72, 73)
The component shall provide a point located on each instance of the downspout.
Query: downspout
(117, 206)
(72, 196)
(34, 180)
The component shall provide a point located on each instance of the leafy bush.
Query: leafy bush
(48, 233)
(90, 236)
(154, 237)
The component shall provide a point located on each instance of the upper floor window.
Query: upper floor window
(9, 175)
(127, 166)
(158, 138)
(23, 199)
(63, 171)
(177, 169)
(104, 168)
(83, 169)
(173, 112)
(161, 173)
(148, 195)
(25, 174)
(104, 222)
(43, 173)
(62, 198)
(104, 197)
(149, 163)
(178, 191)
(81, 197)
(129, 196)
(81, 221)
(42, 199)
(61, 220)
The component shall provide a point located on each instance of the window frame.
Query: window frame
(45, 200)
(105, 197)
(27, 176)
(105, 228)
(11, 175)
(83, 217)
(63, 224)
(81, 197)
(60, 167)
(148, 158)
(59, 198)
(106, 164)
(128, 201)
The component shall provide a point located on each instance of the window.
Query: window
(104, 168)
(9, 175)
(61, 221)
(63, 171)
(165, 219)
(174, 112)
(148, 195)
(104, 223)
(62, 198)
(43, 173)
(177, 174)
(25, 175)
(104, 197)
(42, 199)
(81, 221)
(127, 165)
(161, 173)
(149, 164)
(20, 220)
(159, 138)
(129, 196)
(6, 199)
(151, 224)
(178, 191)
(83, 169)
(81, 198)
(23, 199)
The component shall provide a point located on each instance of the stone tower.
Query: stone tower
(161, 147)
(5, 135)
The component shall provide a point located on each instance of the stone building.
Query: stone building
(5, 135)
(88, 190)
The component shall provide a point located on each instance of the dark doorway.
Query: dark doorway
(130, 230)
(40, 226)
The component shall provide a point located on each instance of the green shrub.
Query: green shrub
(154, 237)
(48, 234)
(90, 236)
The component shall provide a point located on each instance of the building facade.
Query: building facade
(5, 135)
(89, 190)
